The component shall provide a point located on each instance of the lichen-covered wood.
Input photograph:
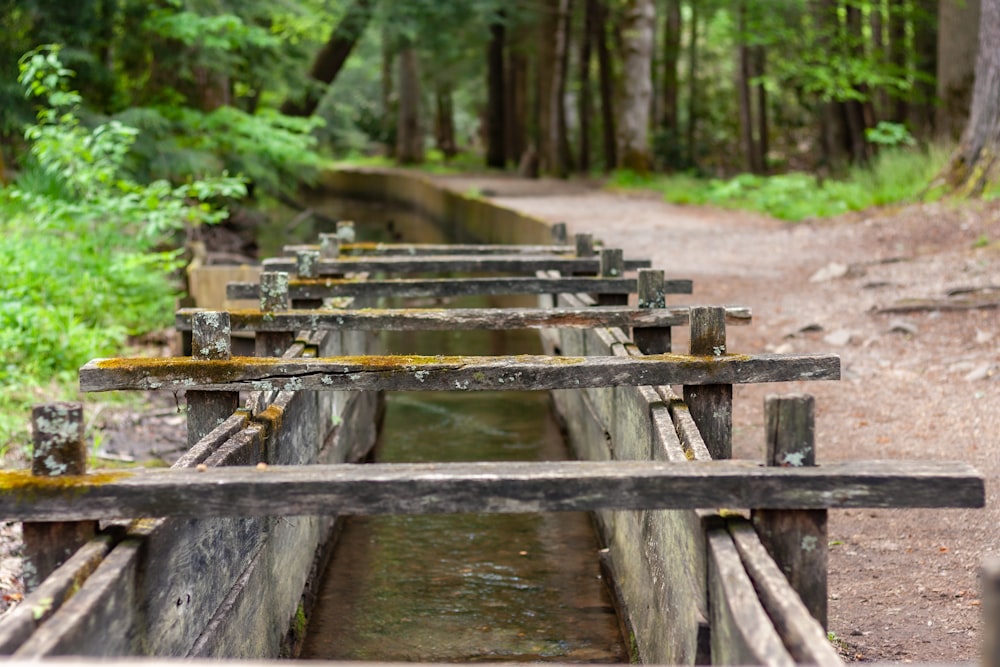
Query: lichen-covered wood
(402, 373)
(370, 249)
(462, 263)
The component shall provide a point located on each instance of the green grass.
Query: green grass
(434, 162)
(895, 176)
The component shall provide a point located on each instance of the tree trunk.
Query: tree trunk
(331, 59)
(545, 71)
(389, 103)
(585, 101)
(743, 75)
(925, 38)
(974, 163)
(444, 122)
(692, 124)
(898, 19)
(638, 29)
(759, 60)
(606, 73)
(958, 31)
(855, 110)
(557, 143)
(409, 135)
(516, 99)
(496, 124)
(669, 120)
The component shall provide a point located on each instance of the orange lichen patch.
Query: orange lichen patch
(271, 419)
(321, 282)
(360, 246)
(23, 484)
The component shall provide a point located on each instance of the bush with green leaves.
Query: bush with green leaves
(86, 253)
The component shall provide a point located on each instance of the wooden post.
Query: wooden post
(58, 440)
(612, 265)
(273, 299)
(307, 266)
(584, 245)
(711, 406)
(345, 231)
(796, 539)
(329, 246)
(651, 340)
(559, 233)
(991, 612)
(211, 341)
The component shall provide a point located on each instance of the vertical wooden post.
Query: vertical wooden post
(796, 539)
(273, 299)
(211, 341)
(59, 449)
(711, 405)
(559, 236)
(612, 265)
(584, 245)
(329, 246)
(651, 340)
(307, 266)
(990, 573)
(345, 231)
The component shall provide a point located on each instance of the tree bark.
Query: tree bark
(925, 38)
(606, 73)
(759, 61)
(692, 124)
(639, 26)
(496, 123)
(516, 98)
(585, 100)
(409, 135)
(898, 19)
(958, 31)
(671, 59)
(743, 74)
(974, 163)
(557, 139)
(444, 122)
(331, 58)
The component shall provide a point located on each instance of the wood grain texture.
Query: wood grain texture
(455, 263)
(742, 633)
(444, 287)
(803, 636)
(454, 319)
(504, 487)
(711, 404)
(521, 372)
(990, 577)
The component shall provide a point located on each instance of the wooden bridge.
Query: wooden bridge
(201, 560)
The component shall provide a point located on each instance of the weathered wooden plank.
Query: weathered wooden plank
(803, 636)
(504, 487)
(453, 319)
(369, 249)
(452, 263)
(211, 341)
(990, 576)
(444, 287)
(742, 633)
(441, 373)
(711, 404)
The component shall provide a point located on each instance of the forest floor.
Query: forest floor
(919, 384)
(916, 385)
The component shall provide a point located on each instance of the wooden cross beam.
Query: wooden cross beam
(436, 249)
(442, 373)
(451, 263)
(453, 319)
(492, 487)
(324, 288)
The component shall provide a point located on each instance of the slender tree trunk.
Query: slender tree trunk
(925, 37)
(898, 20)
(496, 124)
(545, 73)
(855, 110)
(444, 122)
(606, 73)
(639, 26)
(586, 104)
(743, 74)
(759, 60)
(517, 98)
(388, 103)
(330, 59)
(669, 118)
(958, 34)
(693, 106)
(557, 140)
(409, 134)
(975, 162)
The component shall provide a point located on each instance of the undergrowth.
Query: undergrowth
(896, 175)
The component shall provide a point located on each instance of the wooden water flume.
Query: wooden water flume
(191, 551)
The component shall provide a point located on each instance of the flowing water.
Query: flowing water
(466, 587)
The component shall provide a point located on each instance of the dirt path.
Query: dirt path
(918, 385)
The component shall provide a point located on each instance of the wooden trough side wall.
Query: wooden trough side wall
(460, 218)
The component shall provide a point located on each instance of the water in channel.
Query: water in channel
(466, 587)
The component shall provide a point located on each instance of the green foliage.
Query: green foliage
(84, 249)
(895, 176)
(889, 134)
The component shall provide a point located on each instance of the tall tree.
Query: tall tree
(496, 122)
(599, 10)
(975, 162)
(557, 140)
(585, 101)
(638, 29)
(693, 106)
(409, 134)
(669, 118)
(958, 35)
(330, 59)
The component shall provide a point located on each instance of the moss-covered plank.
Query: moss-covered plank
(455, 263)
(444, 373)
